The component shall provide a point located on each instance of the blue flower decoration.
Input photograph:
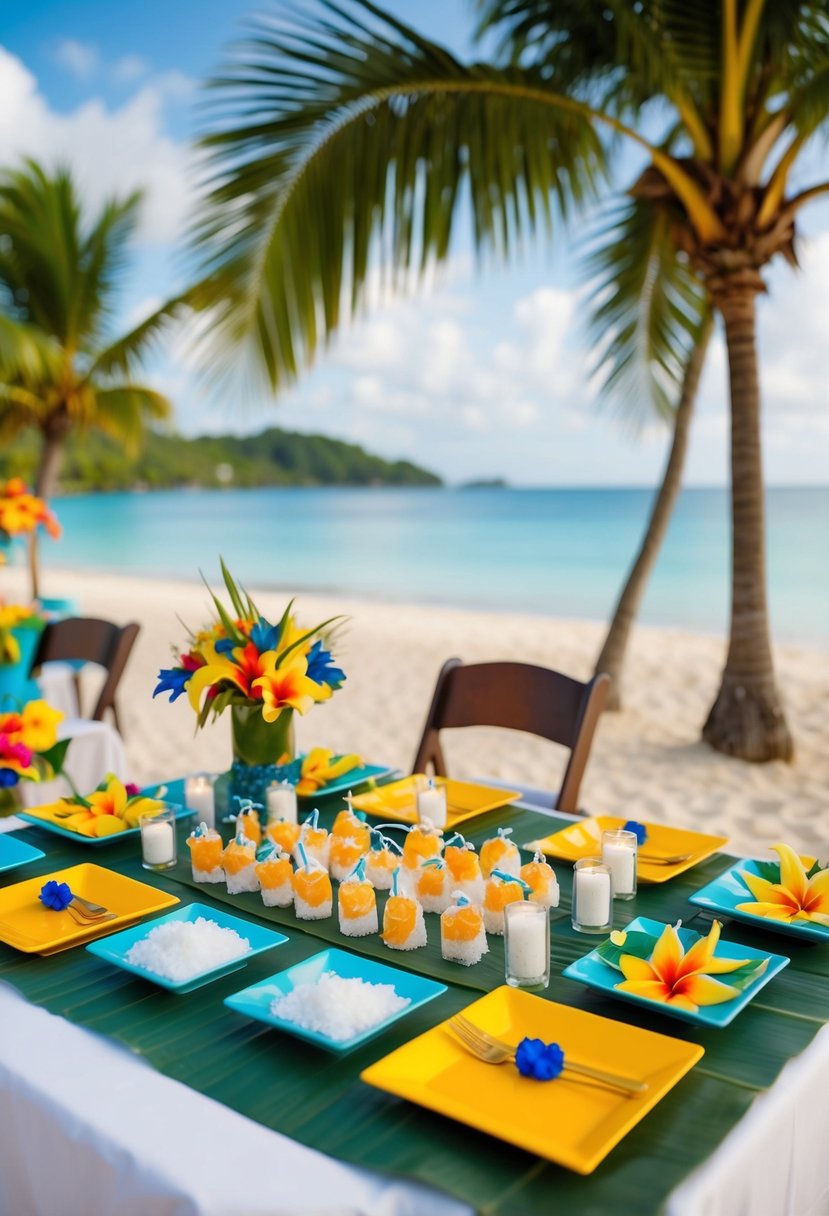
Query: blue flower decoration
(173, 680)
(264, 635)
(321, 667)
(55, 895)
(225, 645)
(539, 1060)
(638, 829)
(8, 778)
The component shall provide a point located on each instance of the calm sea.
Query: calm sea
(557, 552)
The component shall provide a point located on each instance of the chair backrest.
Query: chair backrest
(89, 640)
(518, 696)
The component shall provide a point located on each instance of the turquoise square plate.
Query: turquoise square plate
(95, 842)
(115, 949)
(14, 852)
(255, 1002)
(725, 892)
(352, 780)
(593, 971)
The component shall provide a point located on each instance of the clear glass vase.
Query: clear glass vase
(259, 748)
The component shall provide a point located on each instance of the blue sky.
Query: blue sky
(484, 374)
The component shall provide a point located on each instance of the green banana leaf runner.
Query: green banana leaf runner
(319, 1100)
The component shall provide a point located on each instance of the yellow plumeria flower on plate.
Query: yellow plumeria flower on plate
(796, 897)
(678, 977)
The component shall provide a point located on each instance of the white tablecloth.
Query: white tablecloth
(96, 749)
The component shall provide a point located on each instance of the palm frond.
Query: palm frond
(646, 310)
(26, 354)
(104, 257)
(345, 140)
(125, 354)
(122, 411)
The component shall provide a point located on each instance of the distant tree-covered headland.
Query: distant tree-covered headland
(274, 457)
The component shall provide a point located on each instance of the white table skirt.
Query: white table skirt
(96, 749)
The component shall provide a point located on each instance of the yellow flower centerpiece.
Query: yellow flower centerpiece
(29, 747)
(263, 673)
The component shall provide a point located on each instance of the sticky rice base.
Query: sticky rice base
(215, 875)
(245, 880)
(278, 897)
(435, 903)
(416, 938)
(467, 953)
(473, 889)
(359, 926)
(314, 853)
(379, 878)
(306, 911)
(341, 872)
(494, 922)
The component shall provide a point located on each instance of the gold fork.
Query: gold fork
(494, 1051)
(83, 916)
(653, 859)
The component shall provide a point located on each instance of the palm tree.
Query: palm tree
(61, 367)
(344, 136)
(650, 322)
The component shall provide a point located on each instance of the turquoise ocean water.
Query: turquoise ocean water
(556, 552)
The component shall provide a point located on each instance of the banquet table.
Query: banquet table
(200, 1132)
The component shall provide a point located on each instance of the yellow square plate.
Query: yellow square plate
(574, 1123)
(28, 926)
(584, 839)
(398, 800)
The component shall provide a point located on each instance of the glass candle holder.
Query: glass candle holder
(592, 896)
(619, 852)
(527, 945)
(280, 800)
(158, 839)
(431, 804)
(200, 797)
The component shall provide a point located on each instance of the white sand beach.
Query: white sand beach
(647, 761)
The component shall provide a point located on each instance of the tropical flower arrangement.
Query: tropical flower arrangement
(29, 747)
(262, 671)
(112, 807)
(787, 890)
(22, 512)
(661, 969)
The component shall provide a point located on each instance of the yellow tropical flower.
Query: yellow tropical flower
(39, 725)
(286, 687)
(795, 897)
(319, 767)
(679, 978)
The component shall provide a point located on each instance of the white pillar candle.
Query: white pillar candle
(527, 941)
(431, 804)
(200, 798)
(619, 853)
(281, 802)
(593, 898)
(158, 844)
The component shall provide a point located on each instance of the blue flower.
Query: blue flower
(55, 895)
(264, 635)
(8, 778)
(321, 667)
(173, 680)
(225, 645)
(539, 1060)
(638, 829)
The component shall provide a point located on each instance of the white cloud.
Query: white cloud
(111, 151)
(128, 69)
(79, 58)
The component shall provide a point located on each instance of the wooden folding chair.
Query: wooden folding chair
(89, 640)
(518, 696)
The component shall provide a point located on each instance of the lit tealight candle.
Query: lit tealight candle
(527, 945)
(431, 804)
(281, 802)
(592, 896)
(158, 840)
(619, 849)
(200, 798)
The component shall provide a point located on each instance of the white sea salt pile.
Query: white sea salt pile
(338, 1008)
(181, 949)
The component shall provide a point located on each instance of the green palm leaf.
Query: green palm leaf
(646, 309)
(122, 411)
(409, 135)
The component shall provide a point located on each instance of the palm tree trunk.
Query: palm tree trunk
(746, 719)
(612, 656)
